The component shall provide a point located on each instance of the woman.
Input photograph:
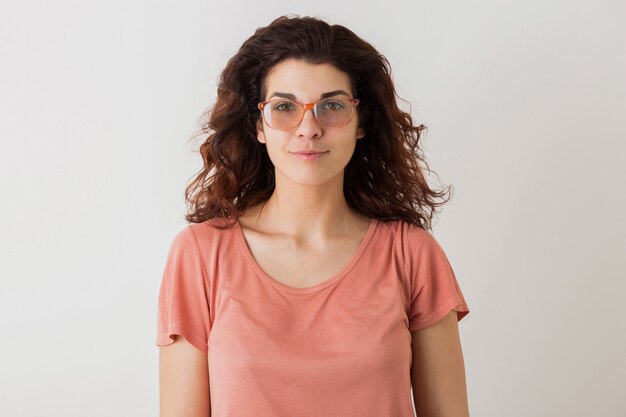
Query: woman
(307, 283)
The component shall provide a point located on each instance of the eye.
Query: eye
(333, 105)
(283, 106)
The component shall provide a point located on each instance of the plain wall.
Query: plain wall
(524, 103)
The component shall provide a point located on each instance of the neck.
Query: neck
(309, 212)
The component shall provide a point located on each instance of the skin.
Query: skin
(306, 231)
(438, 370)
(183, 380)
(309, 211)
(308, 202)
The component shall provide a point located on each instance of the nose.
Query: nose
(309, 126)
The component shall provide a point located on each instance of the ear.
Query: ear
(360, 133)
(260, 134)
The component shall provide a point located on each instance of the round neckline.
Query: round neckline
(317, 287)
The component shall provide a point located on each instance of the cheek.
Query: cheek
(348, 147)
(275, 148)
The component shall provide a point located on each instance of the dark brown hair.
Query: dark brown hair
(384, 178)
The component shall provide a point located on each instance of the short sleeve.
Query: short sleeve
(183, 304)
(434, 287)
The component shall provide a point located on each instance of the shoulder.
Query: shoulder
(210, 237)
(409, 235)
(194, 233)
(184, 244)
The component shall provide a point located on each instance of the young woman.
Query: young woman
(307, 282)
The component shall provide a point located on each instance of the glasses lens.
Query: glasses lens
(282, 113)
(334, 112)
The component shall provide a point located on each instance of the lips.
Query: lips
(309, 155)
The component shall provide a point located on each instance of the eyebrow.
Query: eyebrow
(324, 95)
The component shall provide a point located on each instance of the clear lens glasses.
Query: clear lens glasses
(286, 114)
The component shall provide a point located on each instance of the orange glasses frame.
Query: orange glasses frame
(308, 106)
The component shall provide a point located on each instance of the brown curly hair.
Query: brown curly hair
(384, 178)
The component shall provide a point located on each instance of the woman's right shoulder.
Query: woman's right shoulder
(207, 233)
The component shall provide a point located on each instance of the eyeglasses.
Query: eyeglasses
(286, 114)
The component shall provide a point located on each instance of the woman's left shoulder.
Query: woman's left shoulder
(406, 230)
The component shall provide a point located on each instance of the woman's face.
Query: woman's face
(307, 82)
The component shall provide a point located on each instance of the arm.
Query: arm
(183, 380)
(438, 370)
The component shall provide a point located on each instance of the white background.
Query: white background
(525, 106)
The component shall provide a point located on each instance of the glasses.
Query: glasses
(286, 114)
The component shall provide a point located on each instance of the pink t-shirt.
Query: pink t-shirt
(339, 348)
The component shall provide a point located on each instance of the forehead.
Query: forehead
(306, 81)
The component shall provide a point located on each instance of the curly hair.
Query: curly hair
(384, 179)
